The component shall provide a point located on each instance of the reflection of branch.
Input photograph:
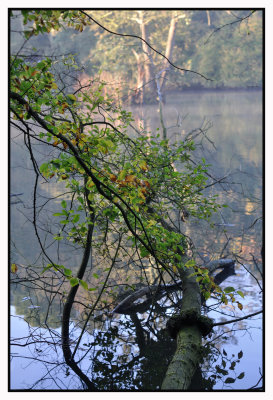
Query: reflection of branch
(67, 310)
(253, 276)
(98, 298)
(252, 387)
(238, 319)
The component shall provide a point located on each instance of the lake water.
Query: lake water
(233, 146)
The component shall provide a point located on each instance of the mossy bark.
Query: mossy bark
(188, 353)
(189, 339)
(185, 360)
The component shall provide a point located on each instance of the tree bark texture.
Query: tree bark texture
(169, 49)
(188, 353)
(189, 339)
(149, 69)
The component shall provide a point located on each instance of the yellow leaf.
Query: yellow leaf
(90, 183)
(143, 165)
(14, 268)
(141, 194)
(174, 269)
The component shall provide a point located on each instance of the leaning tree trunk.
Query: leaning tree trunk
(188, 328)
(189, 338)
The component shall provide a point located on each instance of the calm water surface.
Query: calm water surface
(233, 147)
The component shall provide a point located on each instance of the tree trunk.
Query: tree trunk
(169, 49)
(188, 354)
(150, 88)
(138, 94)
(189, 339)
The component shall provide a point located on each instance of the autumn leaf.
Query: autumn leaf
(130, 178)
(141, 194)
(143, 190)
(146, 183)
(14, 268)
(113, 177)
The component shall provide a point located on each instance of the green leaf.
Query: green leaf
(67, 272)
(47, 268)
(84, 284)
(144, 252)
(206, 295)
(96, 276)
(44, 168)
(190, 263)
(76, 218)
(71, 98)
(74, 281)
(240, 293)
(58, 237)
(242, 374)
(63, 203)
(229, 289)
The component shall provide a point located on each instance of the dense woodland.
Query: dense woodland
(228, 57)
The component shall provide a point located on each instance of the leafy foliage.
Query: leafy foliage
(132, 183)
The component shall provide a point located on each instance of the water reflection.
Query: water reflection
(124, 352)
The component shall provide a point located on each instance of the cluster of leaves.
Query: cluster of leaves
(208, 286)
(227, 366)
